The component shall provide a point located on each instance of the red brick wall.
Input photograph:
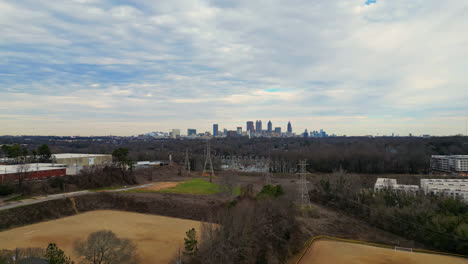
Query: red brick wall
(39, 175)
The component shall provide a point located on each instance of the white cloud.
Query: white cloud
(335, 63)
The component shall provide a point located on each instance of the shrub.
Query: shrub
(269, 191)
(6, 189)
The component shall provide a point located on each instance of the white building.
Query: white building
(451, 187)
(450, 163)
(175, 133)
(386, 183)
(76, 162)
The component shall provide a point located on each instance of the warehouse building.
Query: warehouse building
(32, 171)
(386, 183)
(76, 162)
(450, 163)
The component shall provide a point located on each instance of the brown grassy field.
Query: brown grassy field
(326, 251)
(157, 237)
(160, 186)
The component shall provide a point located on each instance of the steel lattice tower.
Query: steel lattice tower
(303, 191)
(208, 162)
(187, 162)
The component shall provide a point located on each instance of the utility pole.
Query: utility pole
(208, 162)
(187, 162)
(303, 191)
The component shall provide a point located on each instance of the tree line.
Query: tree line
(101, 247)
(437, 221)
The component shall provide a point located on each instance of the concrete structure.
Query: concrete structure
(450, 163)
(278, 130)
(76, 162)
(31, 171)
(239, 131)
(270, 127)
(451, 187)
(386, 183)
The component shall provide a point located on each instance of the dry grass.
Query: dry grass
(325, 251)
(157, 237)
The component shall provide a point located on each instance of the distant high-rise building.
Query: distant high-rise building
(239, 131)
(175, 133)
(191, 132)
(289, 127)
(215, 130)
(225, 132)
(250, 126)
(231, 133)
(270, 126)
(258, 126)
(278, 130)
(306, 134)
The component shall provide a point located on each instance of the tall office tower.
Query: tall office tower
(270, 126)
(258, 126)
(239, 131)
(250, 126)
(215, 130)
(289, 127)
(306, 134)
(191, 132)
(278, 130)
(225, 132)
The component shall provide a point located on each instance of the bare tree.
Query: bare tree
(104, 247)
(22, 174)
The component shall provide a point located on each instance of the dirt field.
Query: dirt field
(325, 251)
(160, 186)
(157, 237)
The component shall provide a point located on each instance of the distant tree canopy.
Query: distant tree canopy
(121, 156)
(44, 153)
(13, 151)
(353, 154)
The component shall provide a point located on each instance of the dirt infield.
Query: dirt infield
(157, 237)
(327, 251)
(160, 186)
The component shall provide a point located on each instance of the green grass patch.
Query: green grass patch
(194, 186)
(19, 198)
(107, 188)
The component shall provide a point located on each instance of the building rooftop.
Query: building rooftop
(76, 155)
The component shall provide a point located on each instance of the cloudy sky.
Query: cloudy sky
(354, 67)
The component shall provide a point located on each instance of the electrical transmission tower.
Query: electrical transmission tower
(267, 173)
(208, 162)
(187, 162)
(302, 185)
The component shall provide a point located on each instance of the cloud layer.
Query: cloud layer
(93, 67)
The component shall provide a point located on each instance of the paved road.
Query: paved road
(40, 199)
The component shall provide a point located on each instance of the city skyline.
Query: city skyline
(87, 67)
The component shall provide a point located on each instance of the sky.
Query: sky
(353, 67)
